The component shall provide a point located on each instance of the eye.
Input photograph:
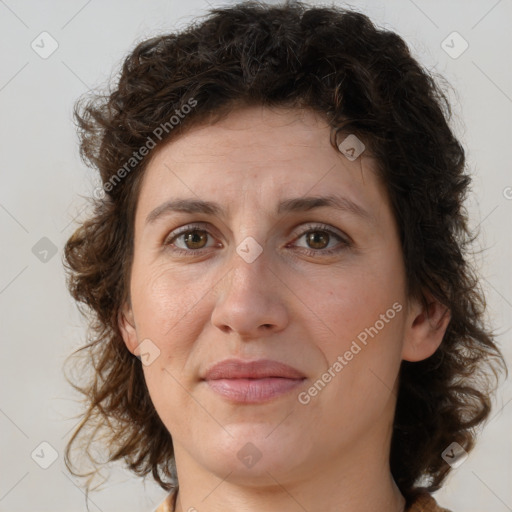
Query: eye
(318, 237)
(190, 238)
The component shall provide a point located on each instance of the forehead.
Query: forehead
(244, 131)
(273, 153)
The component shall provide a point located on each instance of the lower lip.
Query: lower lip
(253, 391)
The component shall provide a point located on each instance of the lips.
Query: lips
(237, 369)
(252, 381)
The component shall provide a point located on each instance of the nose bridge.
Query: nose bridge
(253, 257)
(251, 234)
(248, 299)
(251, 268)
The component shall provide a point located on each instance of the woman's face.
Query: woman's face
(262, 277)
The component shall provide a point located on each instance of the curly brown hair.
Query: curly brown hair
(364, 81)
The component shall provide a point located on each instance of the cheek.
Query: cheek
(363, 312)
(362, 360)
(159, 298)
(173, 309)
(349, 302)
(170, 311)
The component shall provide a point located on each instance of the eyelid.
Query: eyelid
(320, 226)
(199, 226)
(344, 241)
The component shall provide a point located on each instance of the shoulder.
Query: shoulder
(425, 503)
(168, 504)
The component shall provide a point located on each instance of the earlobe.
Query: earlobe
(425, 329)
(126, 324)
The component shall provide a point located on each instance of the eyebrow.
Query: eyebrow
(299, 204)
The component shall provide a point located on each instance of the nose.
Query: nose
(250, 299)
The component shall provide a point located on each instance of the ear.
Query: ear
(424, 329)
(126, 324)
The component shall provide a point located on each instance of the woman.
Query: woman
(285, 315)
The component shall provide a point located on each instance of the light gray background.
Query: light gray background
(42, 179)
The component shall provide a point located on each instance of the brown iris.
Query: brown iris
(195, 237)
(313, 238)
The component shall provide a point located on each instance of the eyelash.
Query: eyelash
(310, 228)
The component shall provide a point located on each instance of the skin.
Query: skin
(331, 454)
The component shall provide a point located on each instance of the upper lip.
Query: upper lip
(260, 369)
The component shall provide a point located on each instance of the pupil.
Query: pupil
(314, 240)
(193, 237)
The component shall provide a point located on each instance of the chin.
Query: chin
(250, 455)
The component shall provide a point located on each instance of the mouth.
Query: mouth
(252, 381)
